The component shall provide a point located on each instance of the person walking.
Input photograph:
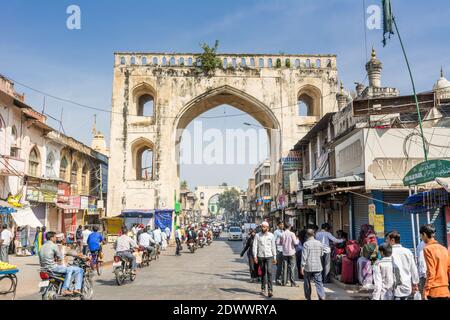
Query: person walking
(405, 270)
(383, 275)
(85, 235)
(277, 233)
(6, 237)
(311, 266)
(288, 241)
(78, 238)
(178, 239)
(421, 267)
(36, 245)
(264, 251)
(251, 258)
(324, 236)
(438, 265)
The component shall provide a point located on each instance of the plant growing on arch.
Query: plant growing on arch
(208, 59)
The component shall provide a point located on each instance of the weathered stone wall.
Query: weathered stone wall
(182, 92)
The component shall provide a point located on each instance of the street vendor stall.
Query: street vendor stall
(8, 279)
(26, 224)
(112, 227)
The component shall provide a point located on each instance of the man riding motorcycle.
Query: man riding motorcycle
(52, 259)
(146, 241)
(123, 245)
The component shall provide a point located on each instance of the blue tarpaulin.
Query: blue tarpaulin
(422, 201)
(163, 219)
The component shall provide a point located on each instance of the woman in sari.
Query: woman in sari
(37, 241)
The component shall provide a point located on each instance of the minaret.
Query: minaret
(341, 97)
(98, 141)
(374, 67)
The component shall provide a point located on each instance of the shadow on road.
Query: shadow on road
(102, 282)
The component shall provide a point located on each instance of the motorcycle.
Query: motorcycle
(202, 242)
(122, 270)
(50, 288)
(208, 241)
(216, 234)
(192, 245)
(145, 257)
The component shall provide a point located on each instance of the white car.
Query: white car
(234, 233)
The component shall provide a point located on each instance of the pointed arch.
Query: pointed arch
(309, 97)
(143, 159)
(34, 162)
(143, 97)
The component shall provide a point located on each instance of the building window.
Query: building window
(63, 168)
(33, 163)
(145, 164)
(74, 174)
(84, 180)
(50, 164)
(14, 150)
(146, 106)
(202, 195)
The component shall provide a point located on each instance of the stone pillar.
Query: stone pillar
(341, 98)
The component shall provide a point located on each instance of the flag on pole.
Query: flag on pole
(177, 204)
(387, 20)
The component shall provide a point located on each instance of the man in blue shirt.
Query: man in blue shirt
(95, 240)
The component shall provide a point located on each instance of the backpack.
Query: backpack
(352, 249)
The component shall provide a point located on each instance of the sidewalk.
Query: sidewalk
(28, 275)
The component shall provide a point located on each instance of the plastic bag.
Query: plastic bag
(417, 296)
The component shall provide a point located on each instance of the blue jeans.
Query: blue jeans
(316, 277)
(77, 272)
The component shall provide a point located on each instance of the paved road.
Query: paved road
(212, 273)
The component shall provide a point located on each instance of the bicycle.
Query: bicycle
(96, 263)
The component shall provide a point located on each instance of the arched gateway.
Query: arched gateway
(156, 96)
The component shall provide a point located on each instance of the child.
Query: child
(383, 275)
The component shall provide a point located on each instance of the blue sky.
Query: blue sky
(38, 50)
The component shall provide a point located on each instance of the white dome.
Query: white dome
(442, 83)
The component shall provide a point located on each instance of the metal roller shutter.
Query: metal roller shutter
(398, 220)
(360, 213)
(437, 219)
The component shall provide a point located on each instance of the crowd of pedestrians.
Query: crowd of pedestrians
(396, 274)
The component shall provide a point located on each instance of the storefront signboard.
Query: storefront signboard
(427, 171)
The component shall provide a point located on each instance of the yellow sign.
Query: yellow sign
(379, 225)
(372, 214)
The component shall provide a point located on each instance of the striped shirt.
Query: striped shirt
(311, 255)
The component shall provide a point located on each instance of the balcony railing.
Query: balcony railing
(11, 166)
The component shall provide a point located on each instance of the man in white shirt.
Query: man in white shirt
(324, 236)
(383, 275)
(123, 246)
(157, 236)
(405, 270)
(278, 233)
(5, 239)
(421, 266)
(86, 233)
(146, 241)
(264, 251)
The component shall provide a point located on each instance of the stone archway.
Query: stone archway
(181, 92)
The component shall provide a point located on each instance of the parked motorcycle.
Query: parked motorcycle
(50, 288)
(122, 270)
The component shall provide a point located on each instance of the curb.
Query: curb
(354, 288)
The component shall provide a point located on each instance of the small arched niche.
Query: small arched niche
(144, 97)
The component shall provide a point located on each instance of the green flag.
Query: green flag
(387, 20)
(177, 204)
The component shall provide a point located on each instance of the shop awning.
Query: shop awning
(67, 208)
(6, 208)
(137, 213)
(25, 217)
(353, 178)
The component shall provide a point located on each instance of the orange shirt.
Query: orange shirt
(438, 267)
